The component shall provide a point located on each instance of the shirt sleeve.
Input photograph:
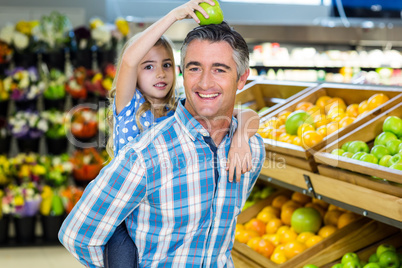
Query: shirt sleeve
(125, 126)
(105, 203)
(258, 158)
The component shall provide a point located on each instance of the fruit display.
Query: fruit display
(386, 150)
(258, 193)
(310, 123)
(384, 256)
(291, 224)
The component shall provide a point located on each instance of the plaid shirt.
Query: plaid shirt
(164, 185)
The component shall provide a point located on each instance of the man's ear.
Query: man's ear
(243, 79)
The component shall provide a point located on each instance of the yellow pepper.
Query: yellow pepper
(122, 26)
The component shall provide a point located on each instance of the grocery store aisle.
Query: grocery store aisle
(37, 257)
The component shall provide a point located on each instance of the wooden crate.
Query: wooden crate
(259, 93)
(364, 254)
(358, 172)
(352, 237)
(350, 94)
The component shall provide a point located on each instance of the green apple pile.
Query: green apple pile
(387, 149)
(386, 256)
(259, 192)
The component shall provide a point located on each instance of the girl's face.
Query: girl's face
(156, 74)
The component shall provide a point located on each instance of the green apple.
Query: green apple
(352, 264)
(214, 12)
(400, 257)
(373, 257)
(372, 265)
(389, 259)
(263, 110)
(384, 161)
(358, 146)
(358, 155)
(393, 146)
(350, 257)
(395, 159)
(310, 266)
(384, 247)
(345, 146)
(397, 166)
(379, 151)
(384, 137)
(393, 124)
(337, 265)
(369, 158)
(337, 151)
(347, 154)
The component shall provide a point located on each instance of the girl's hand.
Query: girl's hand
(187, 11)
(239, 158)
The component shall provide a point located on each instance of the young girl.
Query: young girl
(143, 94)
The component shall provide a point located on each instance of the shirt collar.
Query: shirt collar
(192, 127)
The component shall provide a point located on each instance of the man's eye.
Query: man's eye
(219, 70)
(194, 69)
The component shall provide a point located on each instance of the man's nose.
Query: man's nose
(206, 80)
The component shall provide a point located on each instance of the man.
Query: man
(172, 187)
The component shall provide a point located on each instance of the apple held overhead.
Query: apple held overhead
(214, 12)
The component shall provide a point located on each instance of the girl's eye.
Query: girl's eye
(167, 65)
(148, 67)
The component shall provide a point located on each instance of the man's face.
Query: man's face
(210, 79)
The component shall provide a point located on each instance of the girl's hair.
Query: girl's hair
(169, 100)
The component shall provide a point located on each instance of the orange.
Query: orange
(297, 141)
(352, 110)
(291, 203)
(377, 100)
(335, 112)
(285, 137)
(272, 210)
(288, 236)
(286, 213)
(274, 238)
(346, 121)
(333, 207)
(321, 120)
(363, 107)
(347, 218)
(278, 257)
(335, 102)
(304, 128)
(320, 202)
(339, 117)
(311, 138)
(326, 231)
(279, 200)
(283, 229)
(332, 128)
(253, 243)
(322, 130)
(245, 235)
(313, 240)
(273, 226)
(265, 248)
(272, 122)
(331, 217)
(322, 102)
(265, 216)
(294, 248)
(303, 236)
(314, 110)
(255, 225)
(304, 105)
(301, 198)
(317, 207)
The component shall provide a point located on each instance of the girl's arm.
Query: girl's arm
(127, 75)
(239, 158)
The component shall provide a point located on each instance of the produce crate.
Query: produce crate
(364, 254)
(302, 158)
(260, 93)
(352, 237)
(359, 172)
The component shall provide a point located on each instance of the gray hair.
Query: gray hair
(217, 33)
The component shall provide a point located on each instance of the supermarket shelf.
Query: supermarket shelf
(376, 205)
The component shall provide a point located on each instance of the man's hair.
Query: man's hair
(217, 33)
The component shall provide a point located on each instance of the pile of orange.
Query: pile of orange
(270, 232)
(329, 114)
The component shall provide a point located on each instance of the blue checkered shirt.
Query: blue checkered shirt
(164, 185)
